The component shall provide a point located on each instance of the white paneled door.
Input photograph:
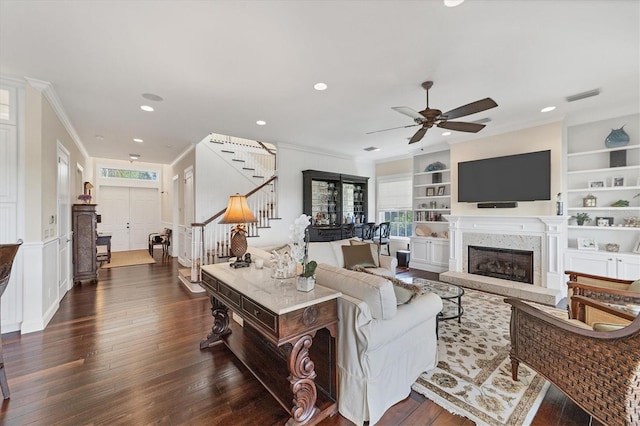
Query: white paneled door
(129, 215)
(64, 223)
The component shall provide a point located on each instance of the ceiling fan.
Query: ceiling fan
(429, 117)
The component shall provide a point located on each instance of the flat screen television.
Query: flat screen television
(521, 177)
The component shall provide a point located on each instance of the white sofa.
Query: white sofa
(331, 254)
(382, 347)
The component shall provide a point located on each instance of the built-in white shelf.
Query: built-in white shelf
(432, 210)
(433, 196)
(604, 170)
(601, 151)
(606, 188)
(603, 208)
(605, 228)
(430, 173)
(422, 185)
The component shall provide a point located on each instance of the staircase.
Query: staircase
(255, 161)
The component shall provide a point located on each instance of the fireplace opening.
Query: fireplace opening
(507, 264)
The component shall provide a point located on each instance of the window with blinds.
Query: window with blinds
(395, 203)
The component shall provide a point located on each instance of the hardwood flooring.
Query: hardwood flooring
(126, 352)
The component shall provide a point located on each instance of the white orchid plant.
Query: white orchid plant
(299, 249)
(297, 235)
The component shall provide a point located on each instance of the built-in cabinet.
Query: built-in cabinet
(84, 221)
(604, 182)
(429, 254)
(431, 202)
(337, 204)
(614, 265)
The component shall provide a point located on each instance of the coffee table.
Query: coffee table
(450, 294)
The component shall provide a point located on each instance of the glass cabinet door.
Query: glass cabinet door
(324, 202)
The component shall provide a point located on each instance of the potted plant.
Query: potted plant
(581, 218)
(86, 198)
(307, 280)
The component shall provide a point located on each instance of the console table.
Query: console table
(288, 338)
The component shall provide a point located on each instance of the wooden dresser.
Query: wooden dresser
(84, 221)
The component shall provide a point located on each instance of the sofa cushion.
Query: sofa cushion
(405, 292)
(322, 253)
(357, 255)
(375, 253)
(634, 286)
(377, 292)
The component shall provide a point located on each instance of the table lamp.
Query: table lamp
(238, 212)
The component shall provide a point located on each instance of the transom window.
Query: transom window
(107, 172)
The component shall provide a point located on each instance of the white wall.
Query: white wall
(291, 162)
(216, 180)
(545, 137)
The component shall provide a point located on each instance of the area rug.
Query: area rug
(128, 258)
(473, 376)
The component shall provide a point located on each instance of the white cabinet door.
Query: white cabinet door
(419, 251)
(591, 263)
(628, 267)
(439, 252)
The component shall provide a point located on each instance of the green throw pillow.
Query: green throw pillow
(358, 255)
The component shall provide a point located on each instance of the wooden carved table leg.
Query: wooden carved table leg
(302, 375)
(220, 328)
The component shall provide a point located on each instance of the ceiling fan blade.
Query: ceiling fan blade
(419, 135)
(393, 128)
(472, 108)
(417, 117)
(461, 126)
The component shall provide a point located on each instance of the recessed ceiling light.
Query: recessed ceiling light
(100, 137)
(152, 97)
(134, 156)
(446, 133)
(453, 3)
(138, 140)
(146, 108)
(261, 122)
(320, 86)
(547, 109)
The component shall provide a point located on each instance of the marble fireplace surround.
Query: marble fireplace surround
(544, 235)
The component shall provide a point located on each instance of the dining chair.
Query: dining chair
(381, 237)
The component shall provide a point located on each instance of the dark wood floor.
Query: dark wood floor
(125, 351)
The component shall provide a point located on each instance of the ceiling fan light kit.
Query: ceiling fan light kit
(430, 117)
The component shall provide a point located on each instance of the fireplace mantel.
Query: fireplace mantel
(550, 231)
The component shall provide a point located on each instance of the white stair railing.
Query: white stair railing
(210, 242)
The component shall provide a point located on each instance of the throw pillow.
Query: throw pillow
(635, 286)
(373, 247)
(405, 292)
(357, 255)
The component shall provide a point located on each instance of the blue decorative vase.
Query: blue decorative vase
(617, 138)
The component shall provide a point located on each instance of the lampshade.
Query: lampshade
(238, 211)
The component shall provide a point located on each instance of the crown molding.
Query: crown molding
(184, 154)
(49, 92)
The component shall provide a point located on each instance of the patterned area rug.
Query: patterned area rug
(473, 376)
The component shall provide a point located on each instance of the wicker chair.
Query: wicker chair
(598, 370)
(609, 290)
(7, 254)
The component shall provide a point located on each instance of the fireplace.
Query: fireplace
(506, 264)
